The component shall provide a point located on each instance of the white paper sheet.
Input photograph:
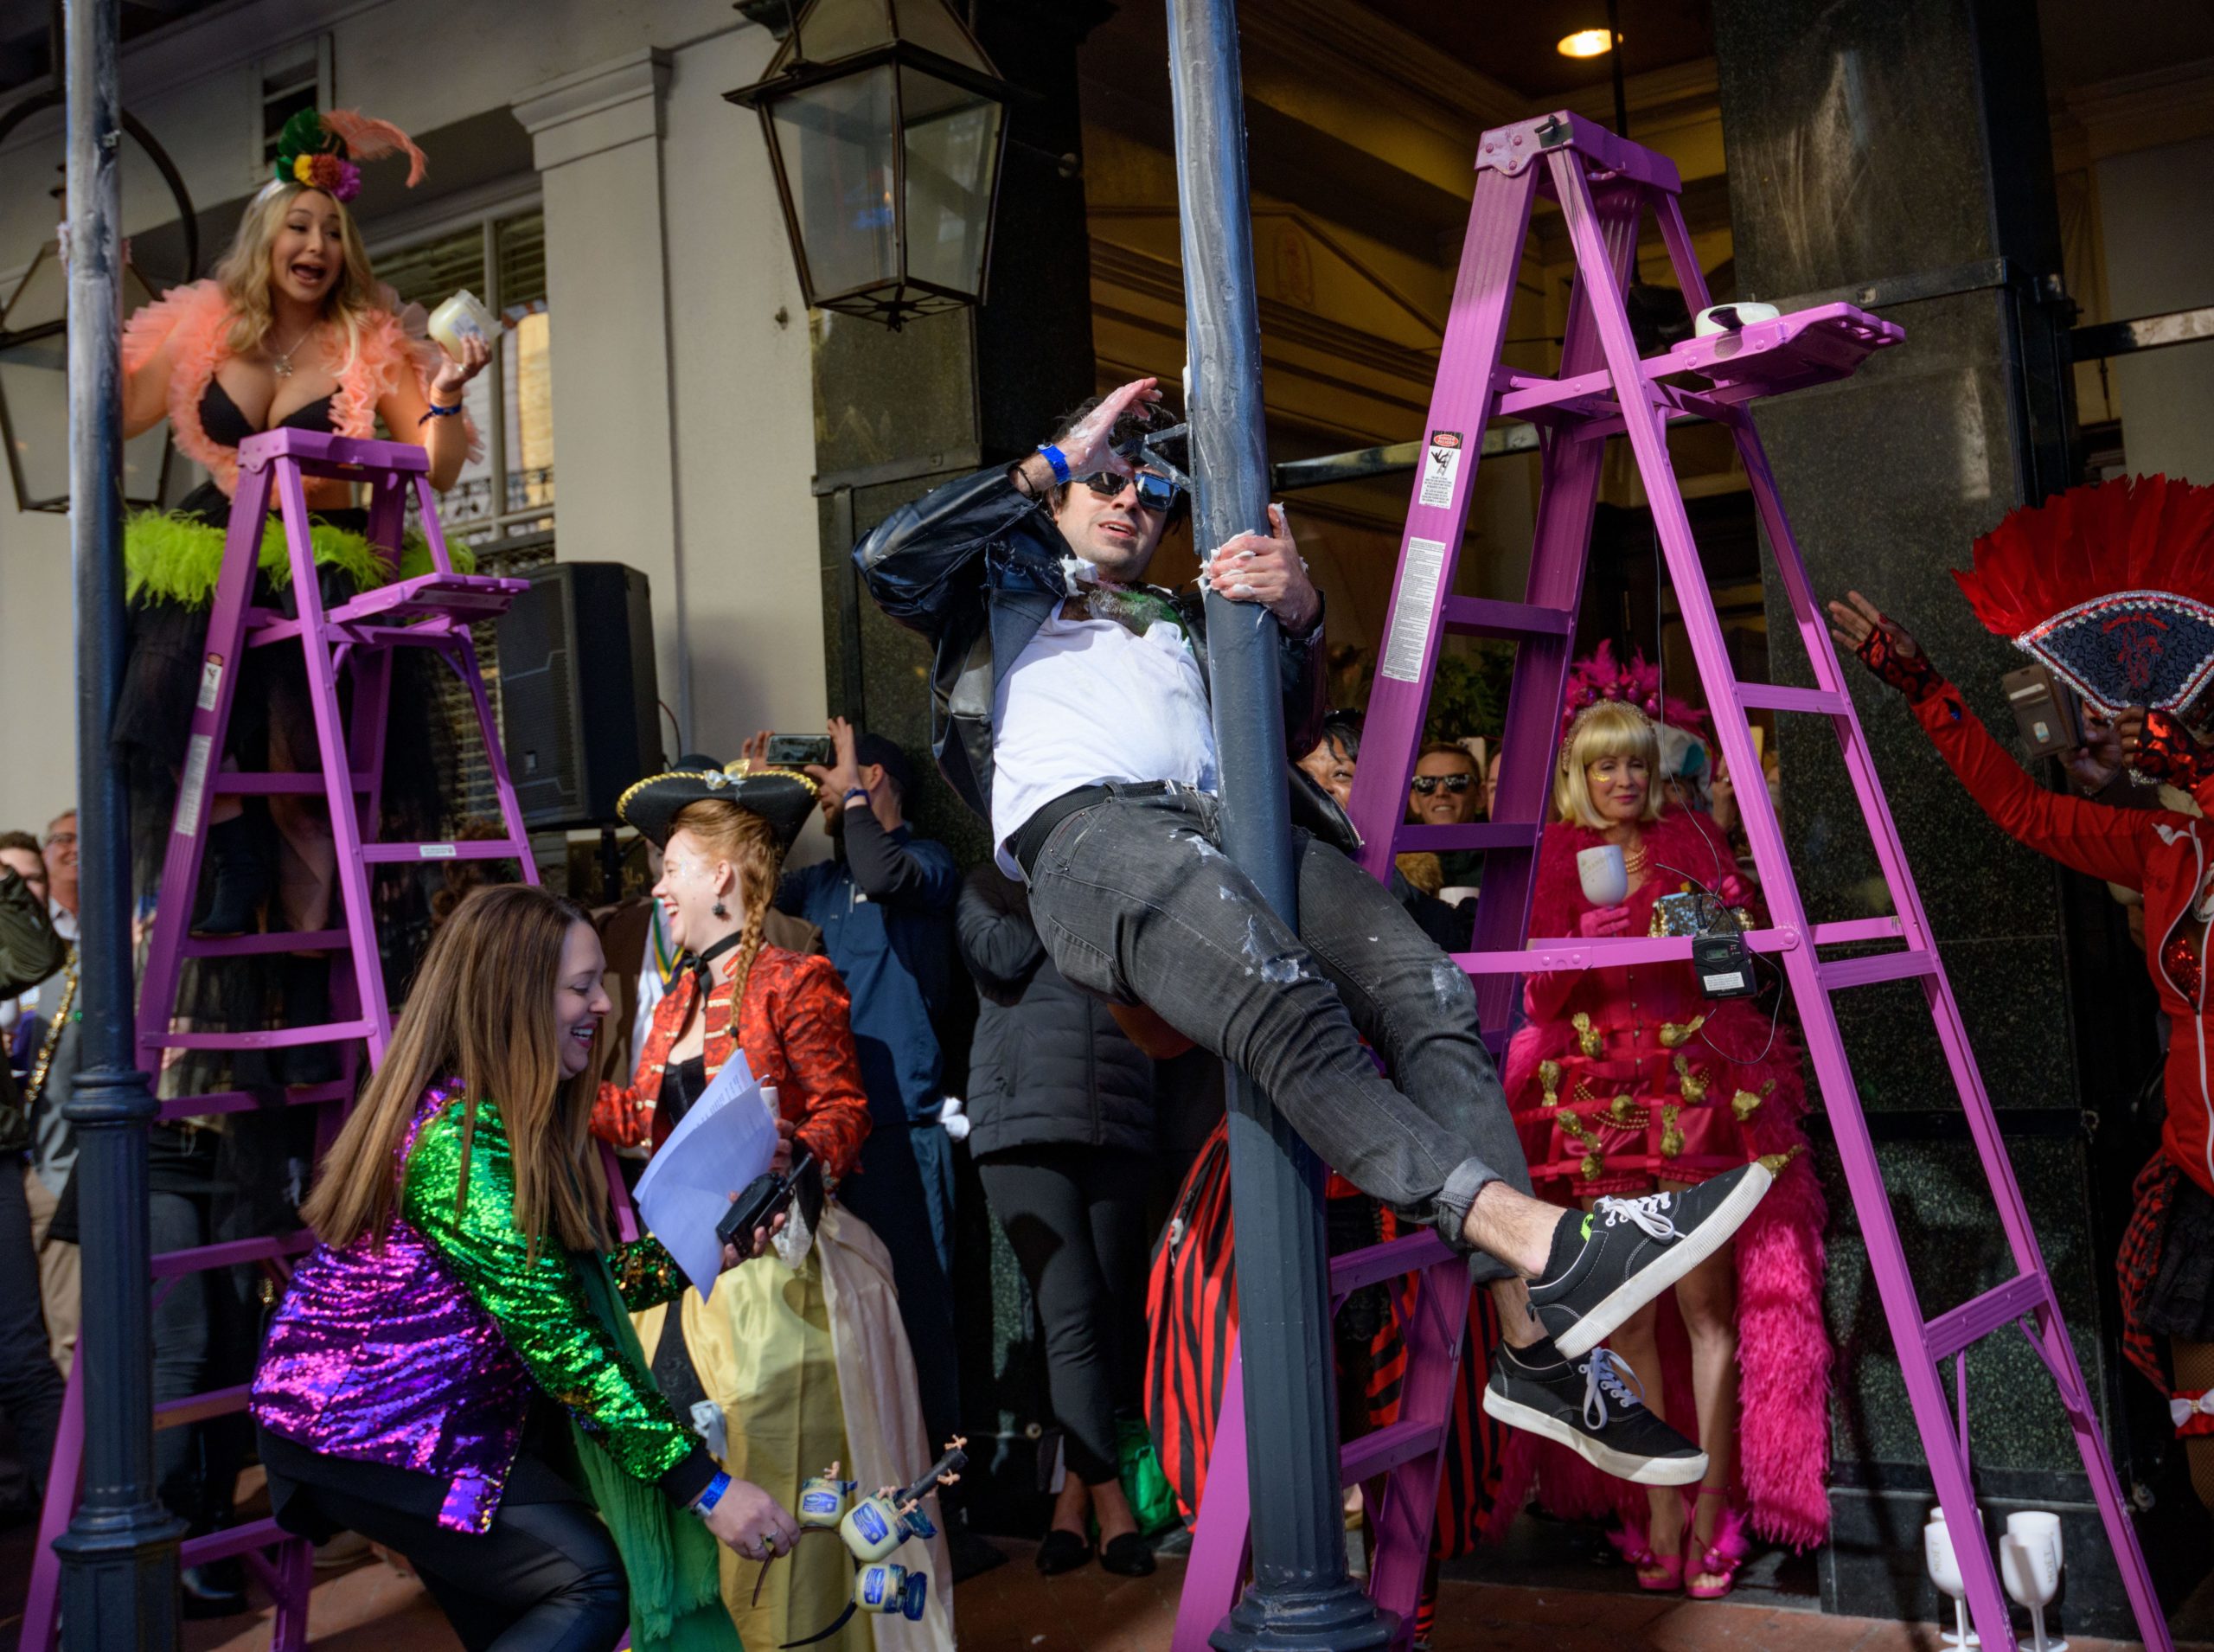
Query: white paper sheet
(724, 1141)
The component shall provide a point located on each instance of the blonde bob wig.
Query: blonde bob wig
(1608, 729)
(243, 271)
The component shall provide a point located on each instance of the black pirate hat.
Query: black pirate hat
(783, 797)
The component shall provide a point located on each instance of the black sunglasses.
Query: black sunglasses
(1155, 492)
(1426, 784)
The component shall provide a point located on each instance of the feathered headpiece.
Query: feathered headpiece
(1597, 678)
(2110, 587)
(323, 150)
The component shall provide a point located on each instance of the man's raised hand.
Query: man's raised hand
(1090, 447)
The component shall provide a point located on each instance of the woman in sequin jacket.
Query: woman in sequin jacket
(452, 1373)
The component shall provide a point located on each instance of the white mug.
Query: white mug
(1605, 879)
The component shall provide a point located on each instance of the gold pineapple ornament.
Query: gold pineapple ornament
(1672, 1135)
(1549, 1077)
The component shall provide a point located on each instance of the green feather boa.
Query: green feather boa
(172, 558)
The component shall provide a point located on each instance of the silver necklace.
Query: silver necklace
(280, 362)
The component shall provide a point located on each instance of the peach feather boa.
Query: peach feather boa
(194, 321)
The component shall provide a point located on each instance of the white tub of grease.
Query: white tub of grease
(462, 317)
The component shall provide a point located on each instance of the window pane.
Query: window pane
(952, 139)
(834, 144)
(433, 272)
(522, 261)
(528, 372)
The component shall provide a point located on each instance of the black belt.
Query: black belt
(1030, 837)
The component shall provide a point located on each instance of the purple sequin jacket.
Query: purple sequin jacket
(421, 1349)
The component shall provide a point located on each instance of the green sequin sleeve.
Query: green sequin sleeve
(646, 1274)
(536, 1301)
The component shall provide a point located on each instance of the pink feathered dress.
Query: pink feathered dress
(1619, 1080)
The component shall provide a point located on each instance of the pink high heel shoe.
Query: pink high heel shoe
(1638, 1549)
(1720, 1557)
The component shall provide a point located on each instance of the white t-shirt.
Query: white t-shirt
(1089, 701)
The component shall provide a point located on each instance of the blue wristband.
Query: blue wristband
(436, 412)
(704, 1503)
(1058, 460)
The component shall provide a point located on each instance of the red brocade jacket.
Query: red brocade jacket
(797, 1031)
(1625, 1077)
(2166, 856)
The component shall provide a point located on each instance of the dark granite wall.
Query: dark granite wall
(1870, 141)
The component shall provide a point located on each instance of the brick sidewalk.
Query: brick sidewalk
(1014, 1609)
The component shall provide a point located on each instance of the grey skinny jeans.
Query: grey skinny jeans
(1134, 899)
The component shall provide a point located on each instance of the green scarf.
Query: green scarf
(172, 558)
(676, 1603)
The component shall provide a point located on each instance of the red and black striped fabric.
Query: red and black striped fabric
(2137, 1264)
(1191, 1323)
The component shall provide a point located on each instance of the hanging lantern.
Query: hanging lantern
(34, 393)
(885, 124)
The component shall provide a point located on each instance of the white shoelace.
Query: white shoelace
(1649, 1214)
(1606, 1377)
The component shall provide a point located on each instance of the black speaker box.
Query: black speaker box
(580, 708)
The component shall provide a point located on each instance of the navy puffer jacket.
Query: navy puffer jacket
(1049, 1066)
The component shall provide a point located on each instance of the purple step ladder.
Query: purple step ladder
(1603, 185)
(432, 611)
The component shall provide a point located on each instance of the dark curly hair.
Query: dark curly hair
(1140, 420)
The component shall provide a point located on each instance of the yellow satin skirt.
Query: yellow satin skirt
(762, 1349)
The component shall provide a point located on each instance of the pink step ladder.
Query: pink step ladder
(1604, 185)
(433, 610)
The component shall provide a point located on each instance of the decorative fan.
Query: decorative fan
(2110, 586)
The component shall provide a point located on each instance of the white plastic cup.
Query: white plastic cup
(2033, 1526)
(1604, 877)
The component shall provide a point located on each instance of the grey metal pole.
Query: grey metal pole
(119, 1554)
(1300, 1597)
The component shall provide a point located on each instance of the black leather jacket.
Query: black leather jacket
(975, 567)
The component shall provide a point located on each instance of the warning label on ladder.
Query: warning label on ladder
(1441, 469)
(1412, 609)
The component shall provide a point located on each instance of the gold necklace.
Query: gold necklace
(280, 362)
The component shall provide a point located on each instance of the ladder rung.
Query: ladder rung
(235, 783)
(1475, 835)
(498, 849)
(198, 1408)
(1769, 696)
(1391, 1260)
(1883, 966)
(1484, 617)
(270, 940)
(1979, 1317)
(252, 1101)
(1859, 929)
(232, 1539)
(273, 1037)
(1387, 1448)
(232, 1253)
(1546, 956)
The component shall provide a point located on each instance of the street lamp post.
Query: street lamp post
(119, 1554)
(1301, 1599)
(887, 143)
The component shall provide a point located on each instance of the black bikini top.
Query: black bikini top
(227, 427)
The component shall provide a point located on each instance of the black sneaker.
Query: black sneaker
(1628, 1250)
(1592, 1407)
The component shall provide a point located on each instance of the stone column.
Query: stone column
(1903, 144)
(596, 137)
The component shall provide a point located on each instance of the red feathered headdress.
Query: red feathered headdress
(2110, 586)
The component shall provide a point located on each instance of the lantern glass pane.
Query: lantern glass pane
(834, 141)
(932, 25)
(34, 383)
(952, 139)
(42, 297)
(830, 29)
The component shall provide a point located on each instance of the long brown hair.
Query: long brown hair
(744, 839)
(243, 273)
(481, 1011)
